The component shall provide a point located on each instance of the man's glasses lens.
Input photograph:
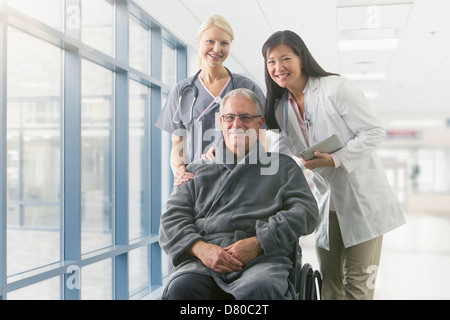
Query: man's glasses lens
(245, 118)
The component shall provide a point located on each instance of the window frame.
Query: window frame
(73, 51)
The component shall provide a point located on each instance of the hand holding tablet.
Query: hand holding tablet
(329, 145)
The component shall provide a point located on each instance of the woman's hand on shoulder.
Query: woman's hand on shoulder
(210, 155)
(181, 176)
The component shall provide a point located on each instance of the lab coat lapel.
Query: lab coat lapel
(294, 127)
(293, 136)
(295, 139)
(313, 106)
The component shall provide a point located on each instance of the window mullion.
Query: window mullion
(3, 149)
(72, 166)
(121, 270)
(156, 161)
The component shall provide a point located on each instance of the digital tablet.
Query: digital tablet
(329, 145)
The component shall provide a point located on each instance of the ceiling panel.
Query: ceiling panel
(192, 4)
(375, 61)
(417, 68)
(313, 21)
(367, 17)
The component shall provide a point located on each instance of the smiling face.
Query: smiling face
(240, 137)
(214, 46)
(285, 67)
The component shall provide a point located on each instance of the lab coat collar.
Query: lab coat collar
(312, 97)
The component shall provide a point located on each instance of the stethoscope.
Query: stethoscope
(193, 88)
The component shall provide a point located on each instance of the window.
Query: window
(139, 45)
(139, 276)
(96, 156)
(96, 280)
(431, 170)
(169, 64)
(46, 11)
(138, 159)
(97, 29)
(418, 169)
(81, 163)
(33, 152)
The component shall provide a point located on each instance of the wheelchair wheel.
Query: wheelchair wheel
(310, 283)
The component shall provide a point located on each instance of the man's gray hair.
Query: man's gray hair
(245, 93)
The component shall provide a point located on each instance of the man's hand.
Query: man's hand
(245, 250)
(215, 257)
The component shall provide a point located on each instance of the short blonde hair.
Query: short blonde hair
(218, 21)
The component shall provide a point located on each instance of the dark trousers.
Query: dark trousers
(194, 286)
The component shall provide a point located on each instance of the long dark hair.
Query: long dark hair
(310, 67)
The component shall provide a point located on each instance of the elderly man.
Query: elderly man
(231, 230)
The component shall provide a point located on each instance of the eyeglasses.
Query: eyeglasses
(245, 117)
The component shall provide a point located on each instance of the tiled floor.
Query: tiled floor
(415, 261)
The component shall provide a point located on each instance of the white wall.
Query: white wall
(172, 14)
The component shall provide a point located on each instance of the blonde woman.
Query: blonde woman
(189, 113)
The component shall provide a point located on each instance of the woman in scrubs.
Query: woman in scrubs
(189, 113)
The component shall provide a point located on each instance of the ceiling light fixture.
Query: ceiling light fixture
(365, 76)
(366, 3)
(372, 44)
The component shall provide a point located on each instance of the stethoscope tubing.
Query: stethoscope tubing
(192, 87)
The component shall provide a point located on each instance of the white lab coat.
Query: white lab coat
(365, 203)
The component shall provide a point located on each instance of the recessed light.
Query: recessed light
(365, 76)
(373, 44)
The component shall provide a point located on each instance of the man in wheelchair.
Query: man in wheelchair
(231, 230)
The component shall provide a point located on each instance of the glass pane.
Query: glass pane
(96, 281)
(47, 11)
(426, 163)
(139, 45)
(44, 290)
(33, 152)
(440, 184)
(139, 270)
(96, 157)
(139, 161)
(169, 65)
(97, 25)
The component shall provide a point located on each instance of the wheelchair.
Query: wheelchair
(307, 281)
